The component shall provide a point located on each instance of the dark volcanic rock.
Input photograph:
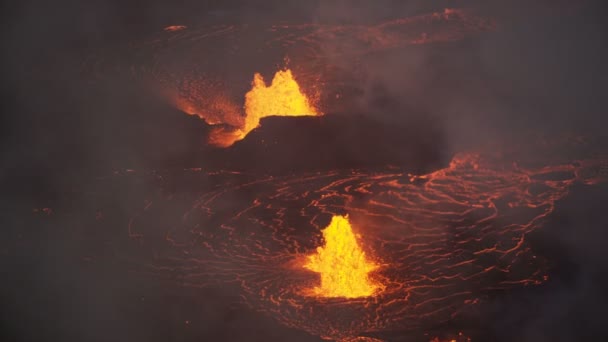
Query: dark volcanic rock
(334, 141)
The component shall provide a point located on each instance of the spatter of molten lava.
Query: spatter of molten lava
(282, 98)
(448, 239)
(343, 266)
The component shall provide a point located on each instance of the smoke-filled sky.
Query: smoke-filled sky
(540, 69)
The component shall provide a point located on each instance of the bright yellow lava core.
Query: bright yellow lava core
(282, 98)
(342, 263)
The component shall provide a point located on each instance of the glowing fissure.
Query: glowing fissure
(282, 98)
(342, 264)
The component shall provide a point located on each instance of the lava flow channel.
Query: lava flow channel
(444, 241)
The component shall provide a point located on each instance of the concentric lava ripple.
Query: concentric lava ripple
(445, 240)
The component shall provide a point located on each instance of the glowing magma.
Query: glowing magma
(342, 263)
(282, 98)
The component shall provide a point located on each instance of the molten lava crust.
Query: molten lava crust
(349, 253)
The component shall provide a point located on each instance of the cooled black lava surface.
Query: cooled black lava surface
(333, 141)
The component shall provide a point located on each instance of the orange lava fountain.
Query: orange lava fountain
(282, 98)
(342, 264)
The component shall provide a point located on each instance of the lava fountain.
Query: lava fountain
(343, 266)
(283, 97)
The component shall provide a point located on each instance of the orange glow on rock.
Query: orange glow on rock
(174, 28)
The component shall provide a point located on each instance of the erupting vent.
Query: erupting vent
(343, 266)
(282, 98)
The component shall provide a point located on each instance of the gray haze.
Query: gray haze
(542, 71)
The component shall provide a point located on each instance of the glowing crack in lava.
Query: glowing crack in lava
(342, 264)
(282, 98)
